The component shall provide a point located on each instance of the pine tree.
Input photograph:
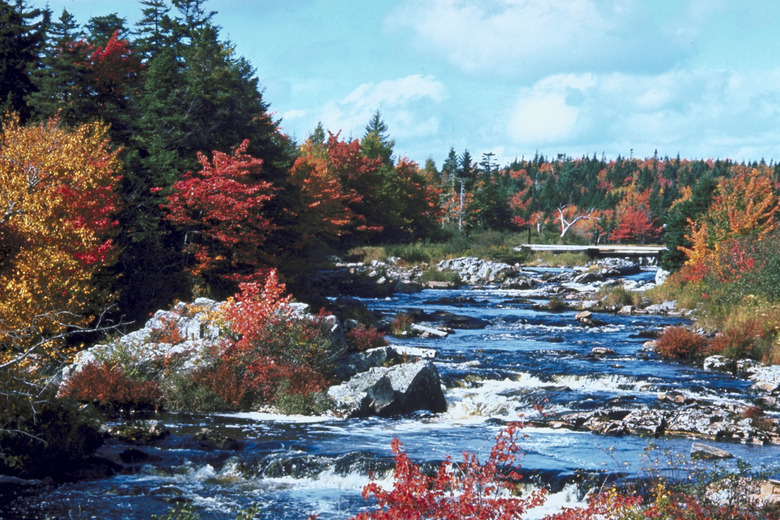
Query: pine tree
(22, 39)
(154, 32)
(375, 143)
(59, 81)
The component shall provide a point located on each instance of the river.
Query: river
(291, 467)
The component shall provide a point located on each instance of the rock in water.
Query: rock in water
(705, 451)
(387, 391)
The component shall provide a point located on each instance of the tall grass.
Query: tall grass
(488, 245)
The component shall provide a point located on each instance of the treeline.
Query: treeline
(211, 192)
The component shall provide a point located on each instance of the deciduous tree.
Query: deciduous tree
(221, 209)
(57, 225)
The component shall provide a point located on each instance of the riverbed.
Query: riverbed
(525, 362)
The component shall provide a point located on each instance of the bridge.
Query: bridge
(643, 254)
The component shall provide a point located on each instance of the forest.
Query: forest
(141, 165)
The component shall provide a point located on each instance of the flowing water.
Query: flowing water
(291, 467)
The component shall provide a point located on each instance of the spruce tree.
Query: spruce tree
(22, 39)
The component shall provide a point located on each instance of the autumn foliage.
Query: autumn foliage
(110, 386)
(221, 210)
(469, 489)
(682, 343)
(58, 211)
(271, 345)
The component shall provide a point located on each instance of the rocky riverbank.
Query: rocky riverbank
(393, 380)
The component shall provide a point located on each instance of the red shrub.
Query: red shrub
(364, 337)
(466, 490)
(742, 340)
(226, 384)
(168, 332)
(682, 343)
(273, 345)
(109, 386)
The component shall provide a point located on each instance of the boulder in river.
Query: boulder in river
(387, 391)
(699, 450)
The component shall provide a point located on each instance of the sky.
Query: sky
(698, 78)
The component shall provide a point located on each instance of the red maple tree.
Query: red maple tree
(635, 225)
(221, 210)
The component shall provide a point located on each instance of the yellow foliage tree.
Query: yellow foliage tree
(744, 205)
(57, 207)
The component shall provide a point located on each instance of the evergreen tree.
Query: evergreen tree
(375, 143)
(155, 29)
(59, 80)
(677, 221)
(22, 40)
(101, 28)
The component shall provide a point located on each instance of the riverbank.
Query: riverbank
(500, 349)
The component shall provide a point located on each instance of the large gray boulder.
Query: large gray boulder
(387, 391)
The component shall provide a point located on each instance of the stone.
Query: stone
(589, 277)
(427, 332)
(661, 275)
(135, 456)
(387, 391)
(212, 440)
(768, 492)
(626, 310)
(650, 346)
(699, 450)
(603, 351)
(717, 364)
(140, 432)
(584, 316)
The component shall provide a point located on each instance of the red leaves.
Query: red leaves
(271, 345)
(364, 337)
(221, 208)
(466, 490)
(637, 226)
(108, 385)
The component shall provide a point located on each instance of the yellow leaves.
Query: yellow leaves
(57, 203)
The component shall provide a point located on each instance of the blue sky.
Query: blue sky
(696, 77)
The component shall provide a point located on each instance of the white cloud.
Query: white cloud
(294, 114)
(531, 38)
(698, 113)
(405, 104)
(542, 118)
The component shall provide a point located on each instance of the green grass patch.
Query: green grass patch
(488, 245)
(550, 259)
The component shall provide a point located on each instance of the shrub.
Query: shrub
(471, 489)
(109, 387)
(195, 393)
(617, 297)
(364, 337)
(744, 339)
(167, 333)
(272, 344)
(556, 304)
(682, 343)
(41, 435)
(401, 325)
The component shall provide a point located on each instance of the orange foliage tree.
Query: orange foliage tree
(57, 207)
(323, 201)
(744, 205)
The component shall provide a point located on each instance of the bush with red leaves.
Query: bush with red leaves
(682, 343)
